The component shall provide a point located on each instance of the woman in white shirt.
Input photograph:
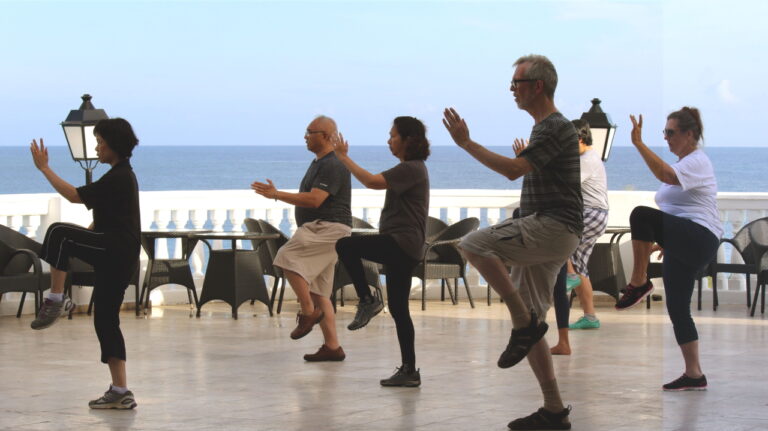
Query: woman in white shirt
(685, 229)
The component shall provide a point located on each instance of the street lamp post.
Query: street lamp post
(78, 129)
(603, 130)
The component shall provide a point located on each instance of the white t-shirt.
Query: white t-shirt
(696, 196)
(594, 182)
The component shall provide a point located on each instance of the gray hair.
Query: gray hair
(540, 68)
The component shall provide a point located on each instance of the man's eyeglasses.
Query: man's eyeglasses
(517, 81)
(669, 132)
(309, 132)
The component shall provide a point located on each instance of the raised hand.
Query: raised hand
(637, 130)
(267, 190)
(456, 126)
(340, 146)
(39, 154)
(519, 145)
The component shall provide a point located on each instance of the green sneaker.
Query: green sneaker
(584, 323)
(114, 400)
(572, 281)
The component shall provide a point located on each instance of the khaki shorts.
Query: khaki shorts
(536, 247)
(311, 253)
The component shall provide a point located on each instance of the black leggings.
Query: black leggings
(688, 247)
(64, 241)
(398, 267)
(562, 303)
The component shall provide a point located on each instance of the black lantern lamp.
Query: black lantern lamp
(603, 130)
(78, 129)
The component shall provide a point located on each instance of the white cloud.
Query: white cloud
(725, 92)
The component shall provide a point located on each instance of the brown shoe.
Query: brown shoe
(326, 354)
(306, 322)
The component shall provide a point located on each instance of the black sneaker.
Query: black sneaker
(633, 295)
(366, 310)
(543, 420)
(521, 341)
(685, 383)
(404, 376)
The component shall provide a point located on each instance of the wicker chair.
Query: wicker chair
(19, 254)
(758, 235)
(443, 261)
(743, 245)
(267, 253)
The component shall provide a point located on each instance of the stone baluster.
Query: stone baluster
(198, 254)
(736, 219)
(474, 212)
(177, 225)
(273, 216)
(237, 218)
(453, 215)
(373, 215)
(161, 245)
(291, 222)
(218, 217)
(493, 214)
(31, 225)
(15, 222)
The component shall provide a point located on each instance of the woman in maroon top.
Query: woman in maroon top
(400, 242)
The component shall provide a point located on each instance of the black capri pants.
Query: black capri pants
(398, 266)
(688, 247)
(113, 267)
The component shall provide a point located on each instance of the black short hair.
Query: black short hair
(583, 131)
(118, 135)
(414, 134)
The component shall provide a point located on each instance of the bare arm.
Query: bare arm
(369, 180)
(311, 199)
(510, 168)
(40, 158)
(659, 167)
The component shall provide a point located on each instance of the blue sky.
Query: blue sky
(255, 73)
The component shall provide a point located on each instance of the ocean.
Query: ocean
(235, 167)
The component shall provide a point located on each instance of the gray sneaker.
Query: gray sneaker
(365, 312)
(50, 311)
(114, 400)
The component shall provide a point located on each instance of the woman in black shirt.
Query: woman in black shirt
(111, 244)
(400, 242)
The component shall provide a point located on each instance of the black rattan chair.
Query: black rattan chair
(758, 235)
(19, 254)
(742, 244)
(267, 253)
(443, 261)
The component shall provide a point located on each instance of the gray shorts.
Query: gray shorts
(311, 253)
(536, 247)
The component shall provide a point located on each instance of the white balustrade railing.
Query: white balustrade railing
(226, 210)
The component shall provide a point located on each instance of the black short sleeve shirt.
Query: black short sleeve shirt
(114, 199)
(330, 175)
(406, 206)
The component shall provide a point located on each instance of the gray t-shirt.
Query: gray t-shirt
(594, 182)
(406, 206)
(330, 175)
(553, 188)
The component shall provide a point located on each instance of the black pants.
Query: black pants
(112, 272)
(398, 267)
(688, 247)
(560, 296)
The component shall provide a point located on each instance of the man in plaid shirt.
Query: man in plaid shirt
(538, 243)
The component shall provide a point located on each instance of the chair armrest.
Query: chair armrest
(36, 265)
(449, 242)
